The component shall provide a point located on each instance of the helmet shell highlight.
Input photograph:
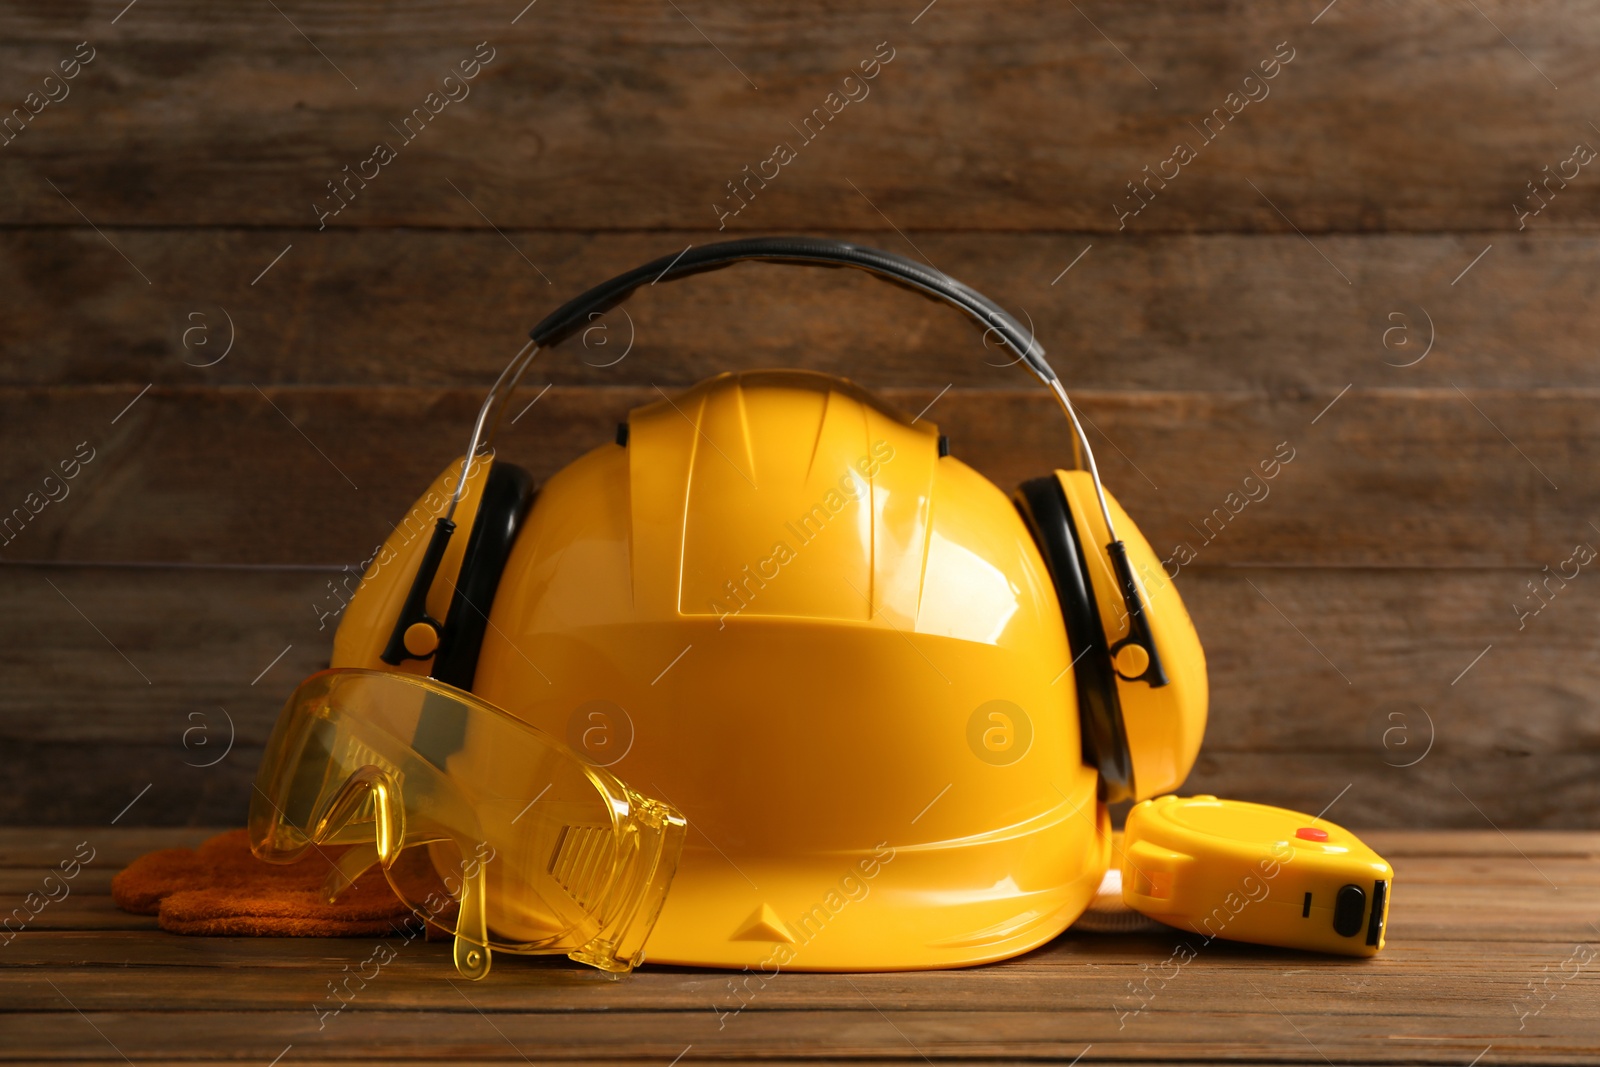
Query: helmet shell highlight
(836, 652)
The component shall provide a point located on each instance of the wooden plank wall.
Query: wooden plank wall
(1352, 266)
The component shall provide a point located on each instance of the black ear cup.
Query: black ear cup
(507, 496)
(1105, 741)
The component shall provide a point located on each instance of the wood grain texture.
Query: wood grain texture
(1254, 313)
(1361, 214)
(1471, 927)
(1420, 733)
(878, 1032)
(627, 114)
(24, 847)
(1469, 931)
(1386, 477)
(1454, 885)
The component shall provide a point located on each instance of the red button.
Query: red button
(1311, 833)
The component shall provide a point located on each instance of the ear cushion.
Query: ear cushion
(508, 494)
(1164, 724)
(1105, 741)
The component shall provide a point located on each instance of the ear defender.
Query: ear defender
(428, 570)
(1105, 742)
(1141, 727)
(508, 495)
(1138, 666)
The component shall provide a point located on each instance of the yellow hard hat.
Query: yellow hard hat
(891, 701)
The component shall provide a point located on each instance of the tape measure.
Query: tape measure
(1250, 872)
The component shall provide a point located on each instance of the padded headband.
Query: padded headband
(811, 251)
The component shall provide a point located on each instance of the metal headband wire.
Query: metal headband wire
(812, 251)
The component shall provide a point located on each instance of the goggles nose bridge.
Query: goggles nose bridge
(389, 826)
(354, 862)
(374, 783)
(389, 814)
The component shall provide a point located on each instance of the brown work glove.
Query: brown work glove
(221, 890)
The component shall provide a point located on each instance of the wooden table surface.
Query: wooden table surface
(1493, 956)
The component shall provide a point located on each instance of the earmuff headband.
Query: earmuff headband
(809, 251)
(583, 309)
(806, 251)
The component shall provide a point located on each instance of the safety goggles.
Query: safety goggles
(487, 828)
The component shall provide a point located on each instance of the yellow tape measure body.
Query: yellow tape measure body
(1250, 872)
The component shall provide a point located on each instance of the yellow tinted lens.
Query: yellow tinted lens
(486, 827)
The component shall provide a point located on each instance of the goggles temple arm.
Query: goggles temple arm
(471, 949)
